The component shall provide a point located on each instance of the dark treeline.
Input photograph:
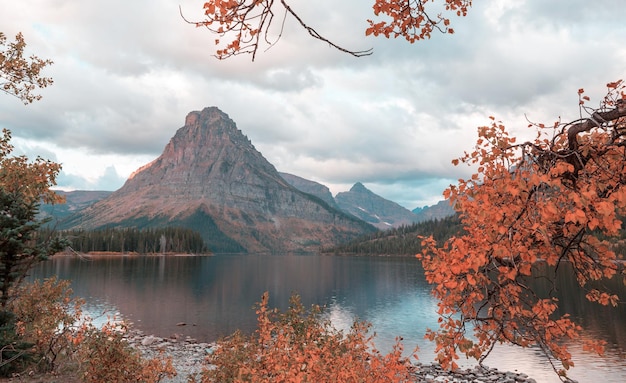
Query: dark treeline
(132, 240)
(403, 240)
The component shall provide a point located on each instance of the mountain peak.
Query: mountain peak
(210, 113)
(205, 128)
(370, 207)
(212, 179)
(359, 188)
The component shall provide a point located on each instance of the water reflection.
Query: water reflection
(214, 296)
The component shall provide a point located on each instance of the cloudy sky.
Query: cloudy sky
(126, 73)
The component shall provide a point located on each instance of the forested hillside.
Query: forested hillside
(403, 240)
(132, 240)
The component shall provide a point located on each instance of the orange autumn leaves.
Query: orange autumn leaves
(21, 76)
(242, 23)
(243, 20)
(547, 200)
(31, 179)
(412, 20)
(63, 340)
(301, 346)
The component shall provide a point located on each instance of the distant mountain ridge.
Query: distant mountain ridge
(441, 209)
(372, 208)
(75, 201)
(212, 179)
(80, 199)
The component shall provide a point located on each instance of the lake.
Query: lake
(214, 296)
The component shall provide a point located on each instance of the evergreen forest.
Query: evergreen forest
(403, 240)
(406, 239)
(133, 240)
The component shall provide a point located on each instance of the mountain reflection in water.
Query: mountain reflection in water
(215, 295)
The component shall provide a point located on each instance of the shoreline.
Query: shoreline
(90, 254)
(189, 357)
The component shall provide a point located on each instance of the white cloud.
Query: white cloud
(127, 73)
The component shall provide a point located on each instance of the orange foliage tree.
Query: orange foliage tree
(549, 201)
(20, 76)
(246, 23)
(23, 185)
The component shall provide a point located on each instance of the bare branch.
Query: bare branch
(316, 35)
(246, 21)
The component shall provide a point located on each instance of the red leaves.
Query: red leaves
(300, 346)
(21, 76)
(615, 84)
(411, 20)
(249, 19)
(602, 298)
(243, 20)
(527, 203)
(593, 345)
(52, 321)
(32, 179)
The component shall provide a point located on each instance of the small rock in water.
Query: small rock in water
(434, 374)
(147, 341)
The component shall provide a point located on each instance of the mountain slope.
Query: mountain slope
(311, 187)
(211, 178)
(440, 210)
(372, 208)
(74, 201)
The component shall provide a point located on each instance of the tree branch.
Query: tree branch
(596, 120)
(316, 35)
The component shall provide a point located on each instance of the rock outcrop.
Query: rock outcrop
(212, 179)
(311, 187)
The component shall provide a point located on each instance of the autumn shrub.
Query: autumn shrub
(15, 353)
(105, 356)
(46, 315)
(50, 322)
(301, 346)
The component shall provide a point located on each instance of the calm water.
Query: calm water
(214, 297)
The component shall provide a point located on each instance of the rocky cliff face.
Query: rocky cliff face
(311, 187)
(372, 208)
(211, 178)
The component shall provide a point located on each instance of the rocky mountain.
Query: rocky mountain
(372, 208)
(440, 210)
(311, 187)
(212, 179)
(75, 201)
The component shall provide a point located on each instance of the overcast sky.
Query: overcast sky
(127, 72)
